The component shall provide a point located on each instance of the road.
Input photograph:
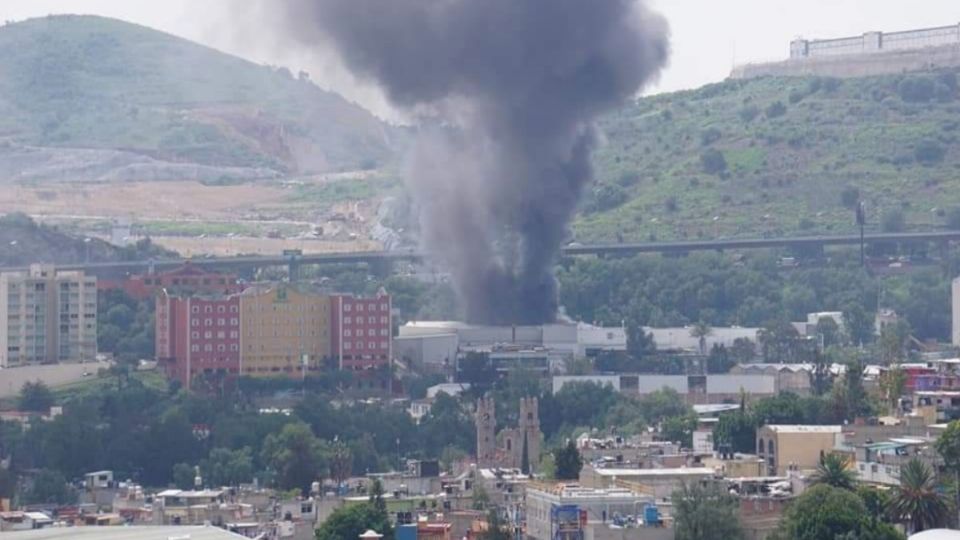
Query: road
(621, 249)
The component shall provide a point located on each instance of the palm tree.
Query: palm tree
(833, 471)
(700, 331)
(917, 500)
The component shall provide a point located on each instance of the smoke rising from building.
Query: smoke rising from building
(507, 91)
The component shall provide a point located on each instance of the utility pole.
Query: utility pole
(861, 222)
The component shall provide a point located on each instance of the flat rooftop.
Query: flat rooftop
(782, 428)
(680, 471)
(124, 533)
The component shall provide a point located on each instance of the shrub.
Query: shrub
(776, 109)
(748, 113)
(893, 220)
(953, 219)
(713, 161)
(849, 197)
(628, 178)
(709, 136)
(671, 204)
(609, 196)
(916, 89)
(929, 152)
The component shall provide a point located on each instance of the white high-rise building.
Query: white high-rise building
(956, 312)
(47, 317)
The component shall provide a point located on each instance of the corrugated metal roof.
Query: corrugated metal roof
(124, 533)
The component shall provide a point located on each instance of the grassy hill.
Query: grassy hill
(779, 156)
(85, 82)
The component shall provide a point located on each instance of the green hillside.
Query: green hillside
(779, 156)
(95, 83)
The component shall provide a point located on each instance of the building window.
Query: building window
(195, 309)
(360, 333)
(384, 307)
(347, 333)
(347, 345)
(371, 320)
(359, 307)
(234, 334)
(234, 309)
(221, 335)
(221, 322)
(384, 320)
(208, 322)
(195, 335)
(384, 345)
(234, 322)
(222, 309)
(195, 322)
(208, 309)
(384, 332)
(208, 334)
(347, 320)
(221, 348)
(347, 307)
(195, 348)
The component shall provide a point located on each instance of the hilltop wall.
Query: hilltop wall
(856, 65)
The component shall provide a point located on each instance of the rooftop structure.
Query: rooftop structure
(871, 53)
(124, 533)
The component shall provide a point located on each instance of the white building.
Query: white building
(956, 312)
(430, 352)
(601, 506)
(47, 317)
(682, 339)
(432, 343)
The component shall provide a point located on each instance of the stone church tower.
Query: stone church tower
(486, 420)
(529, 429)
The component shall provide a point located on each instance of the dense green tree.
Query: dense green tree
(184, 476)
(49, 487)
(679, 429)
(35, 397)
(225, 467)
(497, 527)
(834, 470)
(823, 511)
(706, 512)
(448, 423)
(948, 446)
(828, 332)
(781, 343)
(859, 324)
(917, 501)
(352, 521)
(568, 461)
(737, 429)
(296, 456)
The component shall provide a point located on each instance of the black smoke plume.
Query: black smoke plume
(511, 88)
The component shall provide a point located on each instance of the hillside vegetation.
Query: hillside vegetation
(24, 242)
(84, 93)
(779, 156)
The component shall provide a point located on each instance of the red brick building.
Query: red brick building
(361, 331)
(198, 336)
(186, 280)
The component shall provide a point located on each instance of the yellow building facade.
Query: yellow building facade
(283, 332)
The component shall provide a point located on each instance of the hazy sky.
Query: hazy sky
(709, 36)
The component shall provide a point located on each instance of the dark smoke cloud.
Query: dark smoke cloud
(511, 89)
